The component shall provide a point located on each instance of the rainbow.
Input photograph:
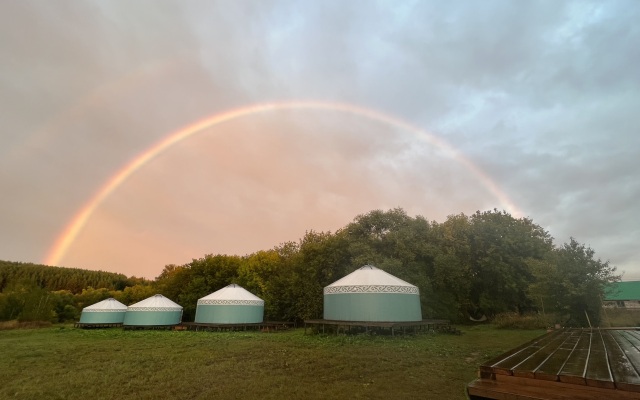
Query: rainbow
(66, 238)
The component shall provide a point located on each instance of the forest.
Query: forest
(466, 268)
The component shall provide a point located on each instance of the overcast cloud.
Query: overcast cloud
(544, 97)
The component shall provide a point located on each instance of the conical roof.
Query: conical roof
(107, 305)
(155, 303)
(231, 294)
(369, 279)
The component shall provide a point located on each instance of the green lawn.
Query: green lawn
(68, 363)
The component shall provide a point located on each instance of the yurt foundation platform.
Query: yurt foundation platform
(426, 325)
(97, 325)
(150, 327)
(266, 326)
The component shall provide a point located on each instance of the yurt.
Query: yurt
(153, 311)
(232, 304)
(109, 311)
(371, 294)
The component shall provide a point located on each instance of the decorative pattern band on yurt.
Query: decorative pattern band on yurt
(156, 310)
(232, 304)
(109, 311)
(371, 294)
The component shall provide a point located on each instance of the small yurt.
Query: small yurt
(371, 294)
(109, 311)
(153, 311)
(232, 304)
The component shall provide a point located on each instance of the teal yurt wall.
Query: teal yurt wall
(156, 310)
(109, 311)
(230, 305)
(371, 294)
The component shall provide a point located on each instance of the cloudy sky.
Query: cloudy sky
(532, 107)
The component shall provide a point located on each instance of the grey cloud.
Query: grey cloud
(542, 96)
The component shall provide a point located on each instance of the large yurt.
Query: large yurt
(232, 304)
(371, 294)
(109, 311)
(156, 310)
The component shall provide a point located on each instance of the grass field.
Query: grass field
(67, 363)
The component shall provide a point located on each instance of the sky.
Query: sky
(439, 108)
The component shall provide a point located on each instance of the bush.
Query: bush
(512, 320)
(15, 324)
(620, 317)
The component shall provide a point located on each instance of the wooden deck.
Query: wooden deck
(149, 327)
(97, 325)
(565, 364)
(324, 325)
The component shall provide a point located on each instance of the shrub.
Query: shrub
(512, 320)
(620, 317)
(15, 324)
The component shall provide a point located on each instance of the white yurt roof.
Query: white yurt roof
(370, 275)
(231, 294)
(155, 303)
(110, 304)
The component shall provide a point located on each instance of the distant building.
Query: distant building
(623, 295)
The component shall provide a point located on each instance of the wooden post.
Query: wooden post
(588, 320)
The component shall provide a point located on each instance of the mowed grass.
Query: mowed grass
(68, 363)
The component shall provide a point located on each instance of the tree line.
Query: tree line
(35, 292)
(465, 267)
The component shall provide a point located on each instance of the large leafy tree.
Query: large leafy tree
(451, 271)
(571, 281)
(321, 259)
(502, 248)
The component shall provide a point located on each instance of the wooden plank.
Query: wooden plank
(634, 336)
(487, 365)
(550, 368)
(624, 357)
(598, 371)
(530, 365)
(631, 346)
(634, 332)
(486, 389)
(546, 344)
(510, 388)
(573, 370)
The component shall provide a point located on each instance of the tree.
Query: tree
(26, 302)
(572, 282)
(502, 248)
(320, 260)
(187, 283)
(451, 271)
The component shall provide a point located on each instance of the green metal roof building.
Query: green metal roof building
(371, 294)
(623, 291)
